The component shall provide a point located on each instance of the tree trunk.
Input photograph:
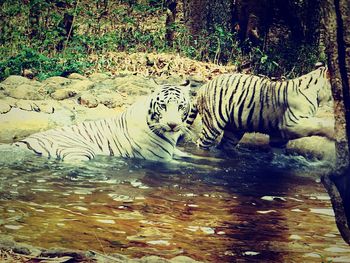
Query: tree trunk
(195, 16)
(337, 32)
(254, 18)
(202, 16)
(66, 30)
(34, 18)
(312, 22)
(170, 20)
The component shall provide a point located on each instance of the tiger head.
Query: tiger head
(169, 108)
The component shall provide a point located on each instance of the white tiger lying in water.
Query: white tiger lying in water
(233, 104)
(148, 129)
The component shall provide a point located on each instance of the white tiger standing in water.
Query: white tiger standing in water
(233, 104)
(148, 129)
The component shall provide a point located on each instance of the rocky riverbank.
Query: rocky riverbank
(28, 106)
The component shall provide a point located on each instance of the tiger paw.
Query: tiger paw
(201, 145)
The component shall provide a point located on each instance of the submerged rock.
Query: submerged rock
(17, 252)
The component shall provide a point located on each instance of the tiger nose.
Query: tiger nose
(172, 125)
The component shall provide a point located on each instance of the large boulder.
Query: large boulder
(17, 124)
(24, 91)
(15, 80)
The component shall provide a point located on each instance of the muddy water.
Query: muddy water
(253, 206)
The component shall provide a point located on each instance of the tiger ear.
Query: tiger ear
(319, 64)
(185, 86)
(186, 83)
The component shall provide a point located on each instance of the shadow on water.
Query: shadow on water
(250, 206)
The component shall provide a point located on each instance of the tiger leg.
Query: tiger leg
(208, 136)
(71, 155)
(192, 115)
(276, 141)
(230, 140)
(311, 126)
(278, 144)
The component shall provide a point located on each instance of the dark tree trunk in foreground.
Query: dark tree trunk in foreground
(337, 38)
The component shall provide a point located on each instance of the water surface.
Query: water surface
(254, 206)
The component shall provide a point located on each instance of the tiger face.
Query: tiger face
(169, 108)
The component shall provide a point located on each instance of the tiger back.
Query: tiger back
(148, 129)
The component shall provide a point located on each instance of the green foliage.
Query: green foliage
(44, 66)
(286, 60)
(33, 37)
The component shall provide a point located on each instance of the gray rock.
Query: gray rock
(112, 99)
(81, 85)
(97, 77)
(77, 76)
(24, 91)
(51, 85)
(18, 124)
(62, 94)
(15, 80)
(183, 259)
(88, 100)
(4, 106)
(27, 105)
(48, 106)
(21, 250)
(57, 81)
(82, 113)
(134, 85)
(153, 259)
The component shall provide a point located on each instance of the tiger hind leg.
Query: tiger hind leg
(230, 140)
(278, 144)
(276, 141)
(311, 126)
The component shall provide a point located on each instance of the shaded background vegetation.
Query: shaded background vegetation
(267, 37)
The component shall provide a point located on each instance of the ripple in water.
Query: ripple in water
(251, 206)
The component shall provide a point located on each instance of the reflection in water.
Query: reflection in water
(252, 207)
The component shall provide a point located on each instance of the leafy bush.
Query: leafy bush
(42, 65)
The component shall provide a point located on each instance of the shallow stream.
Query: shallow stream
(254, 206)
